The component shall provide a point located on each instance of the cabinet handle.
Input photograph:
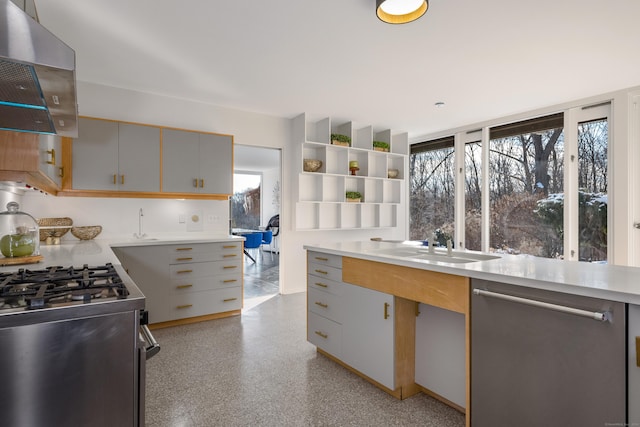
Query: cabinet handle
(115, 179)
(320, 334)
(184, 259)
(638, 352)
(184, 249)
(386, 310)
(61, 171)
(52, 152)
(321, 272)
(184, 271)
(202, 183)
(230, 266)
(322, 285)
(184, 306)
(184, 286)
(195, 182)
(229, 280)
(321, 304)
(417, 309)
(322, 258)
(230, 246)
(229, 255)
(121, 179)
(229, 299)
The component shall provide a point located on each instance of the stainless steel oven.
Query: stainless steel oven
(73, 348)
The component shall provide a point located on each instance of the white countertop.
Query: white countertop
(98, 251)
(611, 282)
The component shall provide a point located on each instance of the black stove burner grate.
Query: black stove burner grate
(34, 289)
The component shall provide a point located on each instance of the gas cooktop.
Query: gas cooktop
(59, 286)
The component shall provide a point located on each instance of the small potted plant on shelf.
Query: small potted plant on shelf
(381, 146)
(353, 196)
(343, 140)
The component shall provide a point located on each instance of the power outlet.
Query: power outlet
(182, 218)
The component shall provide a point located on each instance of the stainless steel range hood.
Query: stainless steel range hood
(37, 76)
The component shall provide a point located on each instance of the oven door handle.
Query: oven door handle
(153, 347)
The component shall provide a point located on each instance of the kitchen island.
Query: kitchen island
(437, 308)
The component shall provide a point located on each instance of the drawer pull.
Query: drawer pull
(229, 255)
(229, 281)
(320, 334)
(638, 352)
(184, 306)
(321, 272)
(229, 299)
(230, 246)
(386, 310)
(184, 271)
(321, 304)
(322, 285)
(230, 266)
(319, 258)
(184, 249)
(184, 286)
(184, 259)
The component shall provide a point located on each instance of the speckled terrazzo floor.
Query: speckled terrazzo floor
(258, 370)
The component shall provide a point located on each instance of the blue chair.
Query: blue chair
(267, 238)
(252, 241)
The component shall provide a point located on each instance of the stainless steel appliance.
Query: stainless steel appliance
(37, 75)
(73, 347)
(542, 358)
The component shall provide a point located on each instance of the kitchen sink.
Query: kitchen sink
(422, 253)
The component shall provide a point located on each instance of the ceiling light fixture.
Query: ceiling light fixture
(400, 11)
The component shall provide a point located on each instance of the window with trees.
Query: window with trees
(529, 165)
(431, 189)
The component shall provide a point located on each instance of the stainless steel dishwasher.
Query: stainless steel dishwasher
(542, 358)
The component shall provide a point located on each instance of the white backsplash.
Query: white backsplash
(119, 217)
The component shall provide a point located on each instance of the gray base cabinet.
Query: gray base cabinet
(634, 365)
(351, 323)
(533, 366)
(440, 353)
(187, 280)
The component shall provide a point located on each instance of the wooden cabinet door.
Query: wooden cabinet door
(368, 334)
(216, 164)
(180, 151)
(138, 158)
(95, 155)
(50, 158)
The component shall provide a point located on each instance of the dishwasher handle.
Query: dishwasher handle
(152, 345)
(595, 315)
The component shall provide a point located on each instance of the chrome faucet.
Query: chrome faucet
(139, 234)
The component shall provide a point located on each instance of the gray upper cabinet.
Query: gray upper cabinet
(116, 156)
(195, 162)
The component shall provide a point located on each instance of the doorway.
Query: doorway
(256, 199)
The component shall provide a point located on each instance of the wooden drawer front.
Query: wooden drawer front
(325, 259)
(205, 283)
(207, 302)
(326, 285)
(325, 304)
(325, 272)
(203, 269)
(325, 334)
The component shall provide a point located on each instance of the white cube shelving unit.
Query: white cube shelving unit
(321, 203)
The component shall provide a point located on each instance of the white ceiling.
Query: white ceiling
(333, 58)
